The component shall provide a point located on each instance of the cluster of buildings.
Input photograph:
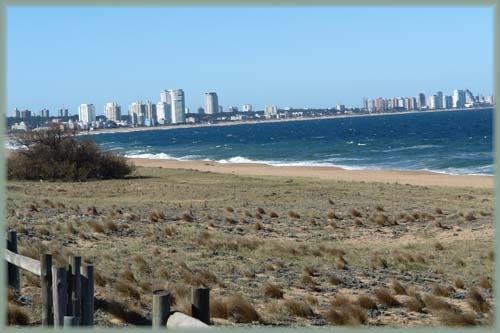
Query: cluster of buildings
(460, 99)
(171, 109)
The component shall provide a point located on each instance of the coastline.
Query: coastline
(252, 122)
(419, 178)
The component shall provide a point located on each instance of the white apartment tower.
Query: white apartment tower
(211, 103)
(177, 106)
(112, 111)
(86, 113)
(246, 108)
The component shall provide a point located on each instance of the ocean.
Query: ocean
(456, 142)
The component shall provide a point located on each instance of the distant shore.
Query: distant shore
(249, 122)
(422, 178)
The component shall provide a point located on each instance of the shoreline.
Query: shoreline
(252, 122)
(419, 178)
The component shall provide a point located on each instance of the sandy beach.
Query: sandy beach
(422, 178)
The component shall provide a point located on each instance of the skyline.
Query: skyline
(247, 63)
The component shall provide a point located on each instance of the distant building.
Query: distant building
(221, 109)
(201, 110)
(164, 96)
(26, 114)
(63, 112)
(44, 113)
(340, 107)
(86, 113)
(186, 110)
(413, 103)
(211, 103)
(16, 113)
(447, 102)
(458, 98)
(163, 113)
(270, 111)
(380, 104)
(439, 100)
(112, 111)
(232, 109)
(421, 103)
(432, 102)
(246, 108)
(19, 126)
(469, 98)
(150, 114)
(137, 112)
(177, 106)
(371, 105)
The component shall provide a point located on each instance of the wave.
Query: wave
(417, 147)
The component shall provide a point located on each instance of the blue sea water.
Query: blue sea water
(456, 142)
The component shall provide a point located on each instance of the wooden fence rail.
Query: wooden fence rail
(68, 292)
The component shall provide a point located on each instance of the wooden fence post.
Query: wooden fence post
(46, 283)
(71, 321)
(161, 308)
(87, 276)
(59, 294)
(13, 270)
(201, 304)
(74, 287)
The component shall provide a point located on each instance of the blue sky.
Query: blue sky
(288, 56)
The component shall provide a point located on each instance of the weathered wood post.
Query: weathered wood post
(12, 270)
(201, 304)
(46, 283)
(71, 321)
(87, 276)
(73, 306)
(59, 294)
(161, 308)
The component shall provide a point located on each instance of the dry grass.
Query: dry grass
(334, 279)
(272, 291)
(126, 289)
(218, 308)
(345, 312)
(241, 310)
(366, 302)
(477, 301)
(16, 315)
(438, 246)
(187, 217)
(457, 318)
(273, 215)
(111, 226)
(96, 226)
(385, 297)
(438, 290)
(298, 308)
(398, 288)
(293, 215)
(485, 283)
(377, 262)
(354, 212)
(436, 303)
(261, 210)
(459, 283)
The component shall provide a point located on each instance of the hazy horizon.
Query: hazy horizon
(288, 56)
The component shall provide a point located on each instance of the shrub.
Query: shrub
(476, 301)
(459, 283)
(241, 310)
(272, 291)
(17, 315)
(457, 318)
(55, 154)
(218, 308)
(385, 297)
(366, 302)
(299, 308)
(414, 304)
(398, 288)
(293, 215)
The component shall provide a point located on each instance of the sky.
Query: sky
(287, 56)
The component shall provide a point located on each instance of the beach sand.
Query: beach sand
(422, 178)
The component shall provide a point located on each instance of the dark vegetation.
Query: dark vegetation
(56, 154)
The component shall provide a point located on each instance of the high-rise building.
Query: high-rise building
(221, 109)
(86, 113)
(246, 108)
(201, 110)
(211, 103)
(365, 103)
(421, 100)
(447, 102)
(112, 111)
(439, 100)
(16, 113)
(164, 96)
(380, 104)
(433, 102)
(44, 113)
(458, 98)
(407, 103)
(150, 114)
(26, 114)
(137, 112)
(177, 106)
(270, 111)
(340, 107)
(371, 105)
(163, 113)
(413, 103)
(63, 112)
